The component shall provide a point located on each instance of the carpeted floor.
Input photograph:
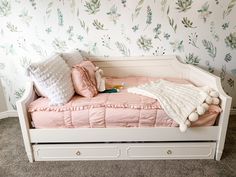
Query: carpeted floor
(14, 163)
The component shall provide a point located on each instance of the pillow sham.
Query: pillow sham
(72, 58)
(83, 78)
(53, 79)
(91, 69)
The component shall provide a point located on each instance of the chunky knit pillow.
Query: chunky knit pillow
(53, 77)
(72, 58)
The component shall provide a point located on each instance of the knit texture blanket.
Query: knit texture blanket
(177, 100)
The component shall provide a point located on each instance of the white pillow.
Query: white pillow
(72, 58)
(53, 78)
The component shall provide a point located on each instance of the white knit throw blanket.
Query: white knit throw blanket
(177, 100)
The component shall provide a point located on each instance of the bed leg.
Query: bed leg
(30, 157)
(223, 124)
(218, 155)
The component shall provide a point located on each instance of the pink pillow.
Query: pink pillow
(83, 77)
(91, 69)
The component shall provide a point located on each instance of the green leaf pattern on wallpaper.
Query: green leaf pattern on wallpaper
(187, 23)
(98, 25)
(5, 8)
(157, 31)
(7, 49)
(213, 31)
(204, 11)
(230, 7)
(223, 72)
(192, 59)
(33, 4)
(123, 49)
(193, 37)
(106, 41)
(19, 93)
(231, 40)
(12, 27)
(60, 17)
(171, 20)
(49, 9)
(59, 45)
(92, 6)
(137, 9)
(209, 66)
(39, 50)
(183, 5)
(201, 33)
(177, 46)
(114, 15)
(149, 16)
(211, 49)
(144, 43)
(84, 26)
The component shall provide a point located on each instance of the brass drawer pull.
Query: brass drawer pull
(78, 153)
(169, 152)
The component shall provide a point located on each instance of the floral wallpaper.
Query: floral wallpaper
(201, 33)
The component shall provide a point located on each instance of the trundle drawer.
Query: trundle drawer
(124, 151)
(172, 151)
(75, 152)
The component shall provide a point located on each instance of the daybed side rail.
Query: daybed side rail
(23, 115)
(203, 78)
(151, 134)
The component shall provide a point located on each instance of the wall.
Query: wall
(202, 33)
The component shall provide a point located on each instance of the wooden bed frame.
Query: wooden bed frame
(130, 143)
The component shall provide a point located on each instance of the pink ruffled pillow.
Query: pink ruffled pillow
(83, 77)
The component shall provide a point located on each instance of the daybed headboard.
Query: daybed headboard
(156, 66)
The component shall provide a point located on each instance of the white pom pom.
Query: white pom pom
(215, 101)
(214, 94)
(200, 110)
(183, 127)
(208, 100)
(206, 89)
(188, 123)
(206, 106)
(193, 116)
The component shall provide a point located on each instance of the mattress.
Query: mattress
(110, 110)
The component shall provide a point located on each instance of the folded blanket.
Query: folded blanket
(179, 101)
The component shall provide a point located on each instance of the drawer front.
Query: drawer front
(75, 152)
(172, 151)
(124, 151)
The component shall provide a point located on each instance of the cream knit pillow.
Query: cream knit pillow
(53, 78)
(72, 58)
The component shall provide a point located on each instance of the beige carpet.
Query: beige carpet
(13, 161)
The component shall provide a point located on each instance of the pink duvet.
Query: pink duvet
(110, 110)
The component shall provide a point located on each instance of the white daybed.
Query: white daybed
(130, 143)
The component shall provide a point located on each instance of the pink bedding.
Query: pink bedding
(110, 110)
